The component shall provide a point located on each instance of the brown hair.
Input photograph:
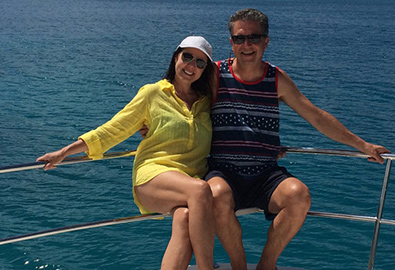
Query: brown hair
(249, 14)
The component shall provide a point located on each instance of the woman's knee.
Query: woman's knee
(201, 192)
(180, 228)
(181, 220)
(181, 215)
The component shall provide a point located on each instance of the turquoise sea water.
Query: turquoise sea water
(68, 66)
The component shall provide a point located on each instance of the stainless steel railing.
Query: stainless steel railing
(378, 220)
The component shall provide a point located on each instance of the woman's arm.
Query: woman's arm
(57, 156)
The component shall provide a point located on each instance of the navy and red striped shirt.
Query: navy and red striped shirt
(245, 119)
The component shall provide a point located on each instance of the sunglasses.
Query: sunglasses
(188, 58)
(253, 39)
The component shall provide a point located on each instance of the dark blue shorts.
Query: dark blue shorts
(253, 192)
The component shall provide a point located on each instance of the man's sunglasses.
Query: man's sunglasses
(240, 39)
(188, 58)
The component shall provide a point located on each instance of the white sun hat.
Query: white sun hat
(197, 42)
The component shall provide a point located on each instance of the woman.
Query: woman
(171, 160)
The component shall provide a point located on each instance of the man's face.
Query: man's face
(247, 52)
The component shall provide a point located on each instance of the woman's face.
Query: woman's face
(188, 65)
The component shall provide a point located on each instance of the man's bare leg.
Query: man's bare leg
(291, 200)
(228, 228)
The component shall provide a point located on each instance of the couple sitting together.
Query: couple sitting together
(227, 111)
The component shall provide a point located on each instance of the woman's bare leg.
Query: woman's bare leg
(173, 189)
(179, 250)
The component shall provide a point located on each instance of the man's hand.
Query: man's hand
(143, 131)
(374, 151)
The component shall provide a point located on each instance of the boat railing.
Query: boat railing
(378, 220)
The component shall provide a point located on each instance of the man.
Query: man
(243, 168)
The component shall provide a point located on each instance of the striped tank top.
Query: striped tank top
(245, 119)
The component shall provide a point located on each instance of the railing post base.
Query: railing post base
(379, 215)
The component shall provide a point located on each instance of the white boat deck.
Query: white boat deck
(226, 266)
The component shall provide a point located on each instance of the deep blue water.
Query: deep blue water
(68, 66)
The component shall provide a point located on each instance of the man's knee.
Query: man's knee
(223, 202)
(299, 195)
(222, 192)
(291, 193)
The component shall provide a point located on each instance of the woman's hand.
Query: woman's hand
(281, 154)
(56, 157)
(52, 159)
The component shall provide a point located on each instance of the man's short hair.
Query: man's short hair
(249, 14)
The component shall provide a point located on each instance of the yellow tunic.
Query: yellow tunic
(179, 139)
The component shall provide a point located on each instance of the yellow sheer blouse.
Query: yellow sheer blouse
(178, 139)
